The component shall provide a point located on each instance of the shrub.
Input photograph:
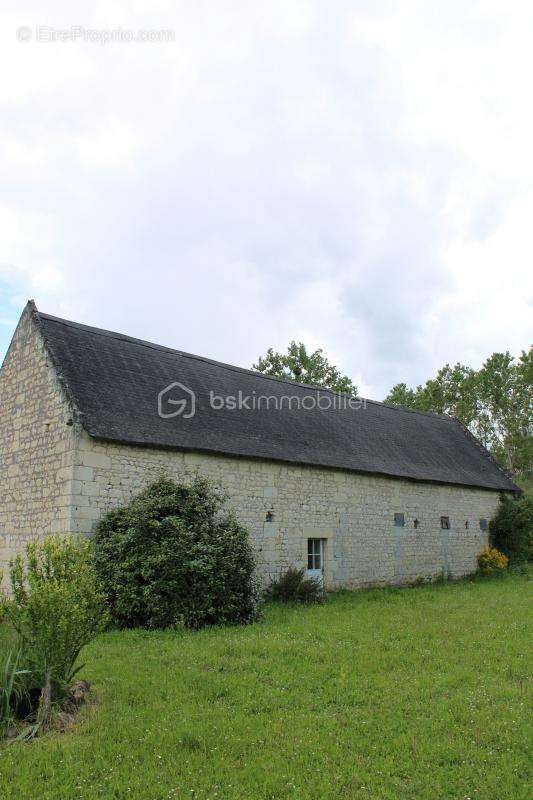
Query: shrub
(511, 528)
(56, 608)
(294, 586)
(174, 555)
(492, 562)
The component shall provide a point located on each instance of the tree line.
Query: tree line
(493, 402)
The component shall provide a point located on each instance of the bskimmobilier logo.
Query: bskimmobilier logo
(178, 400)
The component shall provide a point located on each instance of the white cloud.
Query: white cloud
(357, 175)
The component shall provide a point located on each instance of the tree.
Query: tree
(401, 395)
(504, 391)
(302, 367)
(494, 402)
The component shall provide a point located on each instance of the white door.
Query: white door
(315, 558)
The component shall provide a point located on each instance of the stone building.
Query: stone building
(354, 490)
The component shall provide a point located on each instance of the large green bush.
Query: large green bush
(511, 528)
(56, 608)
(175, 555)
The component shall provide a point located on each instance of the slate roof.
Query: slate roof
(114, 381)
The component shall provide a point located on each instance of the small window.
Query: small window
(483, 524)
(416, 523)
(314, 553)
(445, 523)
(399, 520)
(466, 524)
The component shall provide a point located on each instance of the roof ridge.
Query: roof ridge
(225, 365)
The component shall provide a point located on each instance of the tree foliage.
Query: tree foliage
(174, 555)
(511, 528)
(302, 367)
(494, 402)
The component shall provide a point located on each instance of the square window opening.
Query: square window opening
(445, 523)
(399, 520)
(483, 524)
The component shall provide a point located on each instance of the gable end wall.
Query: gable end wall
(36, 445)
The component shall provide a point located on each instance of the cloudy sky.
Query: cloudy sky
(355, 175)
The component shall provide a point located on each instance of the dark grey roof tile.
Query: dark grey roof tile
(114, 381)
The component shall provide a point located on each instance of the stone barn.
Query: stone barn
(355, 491)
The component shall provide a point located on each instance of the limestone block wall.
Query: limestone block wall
(353, 513)
(36, 445)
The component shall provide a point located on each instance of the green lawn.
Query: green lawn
(414, 693)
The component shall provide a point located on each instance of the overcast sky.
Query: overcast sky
(355, 175)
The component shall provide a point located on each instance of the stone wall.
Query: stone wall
(354, 513)
(36, 445)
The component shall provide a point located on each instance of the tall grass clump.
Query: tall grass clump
(13, 681)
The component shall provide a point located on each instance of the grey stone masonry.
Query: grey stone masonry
(283, 505)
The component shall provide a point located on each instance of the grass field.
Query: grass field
(414, 693)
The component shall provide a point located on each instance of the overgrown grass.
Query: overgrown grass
(415, 693)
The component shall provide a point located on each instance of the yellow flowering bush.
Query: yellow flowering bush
(492, 562)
